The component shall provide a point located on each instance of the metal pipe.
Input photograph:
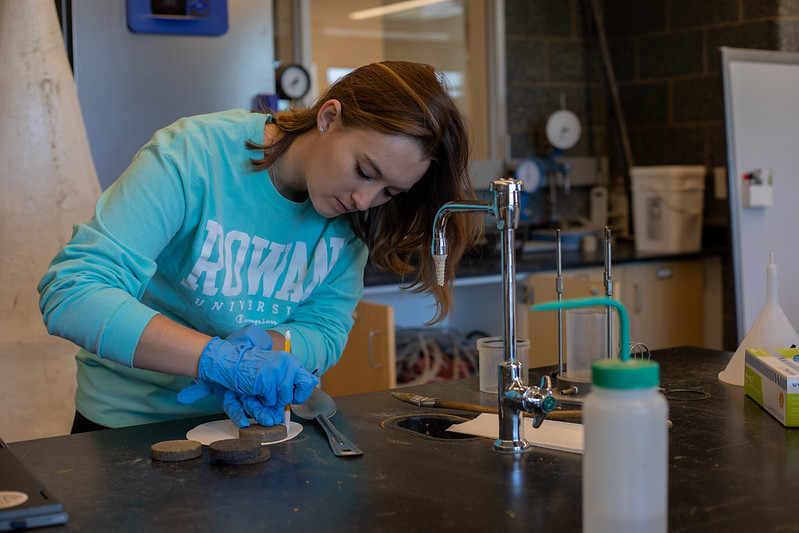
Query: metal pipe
(559, 290)
(506, 210)
(609, 290)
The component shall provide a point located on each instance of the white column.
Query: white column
(47, 183)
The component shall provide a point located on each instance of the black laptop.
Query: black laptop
(24, 502)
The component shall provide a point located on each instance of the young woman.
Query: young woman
(229, 229)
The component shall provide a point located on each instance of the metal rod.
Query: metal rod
(609, 290)
(559, 290)
(553, 192)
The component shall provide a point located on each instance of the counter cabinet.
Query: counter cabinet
(670, 302)
(665, 303)
(369, 359)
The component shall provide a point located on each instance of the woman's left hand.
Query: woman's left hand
(236, 405)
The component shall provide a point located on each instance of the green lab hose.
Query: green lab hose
(624, 326)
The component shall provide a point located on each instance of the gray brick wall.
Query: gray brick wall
(667, 65)
(666, 62)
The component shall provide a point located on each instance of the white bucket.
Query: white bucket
(667, 208)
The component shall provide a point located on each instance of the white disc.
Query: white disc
(563, 129)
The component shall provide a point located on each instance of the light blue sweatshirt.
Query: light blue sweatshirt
(190, 231)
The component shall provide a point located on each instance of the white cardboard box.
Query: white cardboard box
(771, 378)
(758, 195)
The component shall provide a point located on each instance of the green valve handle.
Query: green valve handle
(548, 404)
(624, 326)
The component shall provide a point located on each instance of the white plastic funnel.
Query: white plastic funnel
(771, 330)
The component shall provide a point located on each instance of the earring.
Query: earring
(321, 129)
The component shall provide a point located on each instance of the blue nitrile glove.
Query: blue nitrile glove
(235, 405)
(229, 399)
(241, 365)
(265, 415)
(251, 335)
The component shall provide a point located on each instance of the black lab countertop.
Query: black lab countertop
(732, 467)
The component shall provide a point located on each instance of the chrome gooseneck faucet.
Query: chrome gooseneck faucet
(514, 396)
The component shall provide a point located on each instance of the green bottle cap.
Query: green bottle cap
(629, 374)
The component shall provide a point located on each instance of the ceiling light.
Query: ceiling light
(391, 8)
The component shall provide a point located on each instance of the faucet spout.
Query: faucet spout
(439, 246)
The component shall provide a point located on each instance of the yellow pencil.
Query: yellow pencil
(287, 348)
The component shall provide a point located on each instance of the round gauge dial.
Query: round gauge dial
(292, 81)
(563, 129)
(530, 172)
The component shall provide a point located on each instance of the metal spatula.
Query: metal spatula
(320, 407)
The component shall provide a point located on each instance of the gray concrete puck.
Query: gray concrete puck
(264, 455)
(264, 433)
(234, 450)
(176, 450)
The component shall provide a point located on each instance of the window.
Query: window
(457, 36)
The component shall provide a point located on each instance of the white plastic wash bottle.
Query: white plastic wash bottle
(625, 462)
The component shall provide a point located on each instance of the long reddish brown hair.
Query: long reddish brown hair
(399, 97)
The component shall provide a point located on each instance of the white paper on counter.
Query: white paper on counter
(553, 434)
(225, 429)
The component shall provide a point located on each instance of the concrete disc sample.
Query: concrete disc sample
(176, 450)
(264, 433)
(263, 455)
(235, 451)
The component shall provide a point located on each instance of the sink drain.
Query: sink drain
(428, 426)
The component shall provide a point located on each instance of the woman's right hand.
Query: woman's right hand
(245, 363)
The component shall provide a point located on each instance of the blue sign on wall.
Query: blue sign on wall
(183, 17)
